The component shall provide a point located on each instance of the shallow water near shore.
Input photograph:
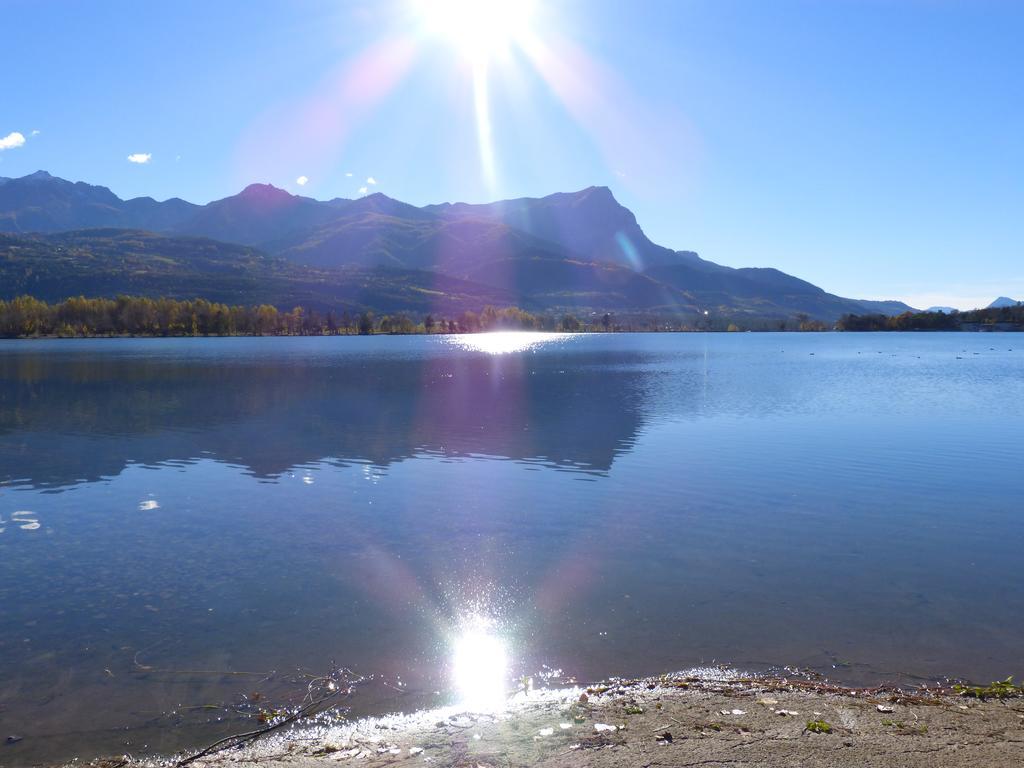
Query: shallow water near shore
(184, 522)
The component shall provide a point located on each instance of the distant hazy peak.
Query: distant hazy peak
(1003, 301)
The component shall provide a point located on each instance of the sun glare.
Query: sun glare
(482, 32)
(477, 28)
(480, 667)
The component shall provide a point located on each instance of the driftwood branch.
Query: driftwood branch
(321, 692)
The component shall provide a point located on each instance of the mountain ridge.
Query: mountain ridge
(579, 250)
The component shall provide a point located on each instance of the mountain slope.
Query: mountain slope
(110, 262)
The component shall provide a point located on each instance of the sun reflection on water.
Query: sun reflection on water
(480, 666)
(505, 342)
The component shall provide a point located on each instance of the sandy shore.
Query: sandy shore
(665, 722)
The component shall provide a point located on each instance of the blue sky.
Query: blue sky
(874, 147)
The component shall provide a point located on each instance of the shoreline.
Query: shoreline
(712, 717)
(443, 334)
(116, 337)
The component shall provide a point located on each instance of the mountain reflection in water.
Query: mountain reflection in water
(80, 417)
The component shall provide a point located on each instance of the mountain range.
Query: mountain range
(579, 251)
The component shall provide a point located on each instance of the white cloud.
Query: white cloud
(140, 157)
(302, 181)
(35, 132)
(12, 140)
(363, 190)
(371, 180)
(349, 175)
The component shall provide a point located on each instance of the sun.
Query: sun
(477, 29)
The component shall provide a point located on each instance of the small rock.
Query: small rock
(885, 709)
(546, 731)
(786, 712)
(665, 738)
(733, 712)
(14, 739)
(415, 750)
(601, 727)
(767, 701)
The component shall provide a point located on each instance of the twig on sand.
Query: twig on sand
(319, 692)
(661, 728)
(240, 739)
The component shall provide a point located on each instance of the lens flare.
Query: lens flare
(480, 667)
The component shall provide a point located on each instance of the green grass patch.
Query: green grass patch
(818, 726)
(1001, 689)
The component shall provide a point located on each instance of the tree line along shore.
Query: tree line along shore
(28, 317)
(990, 319)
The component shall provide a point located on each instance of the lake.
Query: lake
(187, 523)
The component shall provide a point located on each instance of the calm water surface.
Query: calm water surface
(178, 514)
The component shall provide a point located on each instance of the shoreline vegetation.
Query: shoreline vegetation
(81, 317)
(703, 717)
